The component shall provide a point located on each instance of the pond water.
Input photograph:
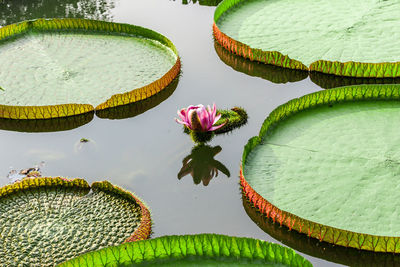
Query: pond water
(143, 152)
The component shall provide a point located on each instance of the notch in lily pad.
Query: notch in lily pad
(203, 123)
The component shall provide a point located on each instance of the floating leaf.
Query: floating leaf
(360, 40)
(193, 250)
(63, 67)
(327, 165)
(45, 221)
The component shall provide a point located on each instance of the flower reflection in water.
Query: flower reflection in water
(201, 165)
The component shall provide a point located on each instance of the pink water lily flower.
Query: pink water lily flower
(199, 119)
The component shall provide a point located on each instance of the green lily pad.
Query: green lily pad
(327, 165)
(45, 221)
(358, 38)
(193, 250)
(63, 67)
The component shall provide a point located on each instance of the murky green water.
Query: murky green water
(144, 153)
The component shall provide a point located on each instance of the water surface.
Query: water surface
(144, 153)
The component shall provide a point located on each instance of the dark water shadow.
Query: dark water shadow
(315, 248)
(201, 2)
(328, 81)
(201, 165)
(47, 125)
(137, 108)
(12, 11)
(271, 73)
(277, 74)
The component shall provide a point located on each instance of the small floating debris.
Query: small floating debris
(32, 172)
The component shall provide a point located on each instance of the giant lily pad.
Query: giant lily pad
(193, 250)
(357, 38)
(63, 67)
(45, 221)
(327, 165)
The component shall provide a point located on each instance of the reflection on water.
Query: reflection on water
(315, 248)
(12, 11)
(277, 74)
(328, 81)
(271, 73)
(137, 108)
(201, 2)
(201, 165)
(69, 123)
(48, 125)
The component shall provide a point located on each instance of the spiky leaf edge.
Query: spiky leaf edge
(63, 110)
(312, 229)
(142, 232)
(178, 247)
(350, 68)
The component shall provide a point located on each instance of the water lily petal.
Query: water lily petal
(216, 119)
(182, 114)
(217, 127)
(182, 122)
(204, 118)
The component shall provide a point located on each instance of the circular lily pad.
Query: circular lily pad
(63, 67)
(193, 250)
(327, 165)
(45, 221)
(358, 38)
